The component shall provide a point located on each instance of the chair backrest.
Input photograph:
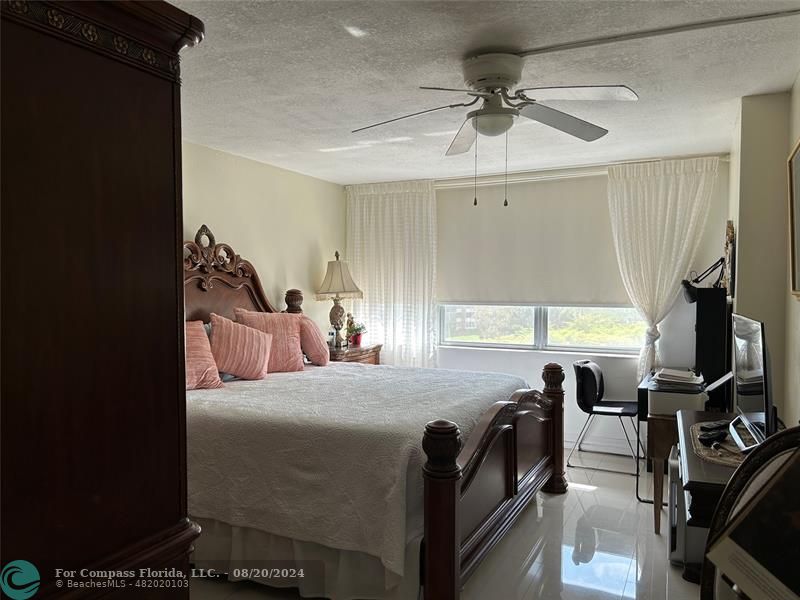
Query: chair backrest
(589, 380)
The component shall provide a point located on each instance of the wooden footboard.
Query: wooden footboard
(475, 491)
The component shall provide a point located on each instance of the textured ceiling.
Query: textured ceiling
(285, 82)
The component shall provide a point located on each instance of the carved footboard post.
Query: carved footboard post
(553, 376)
(441, 562)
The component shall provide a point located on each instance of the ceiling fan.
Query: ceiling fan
(491, 77)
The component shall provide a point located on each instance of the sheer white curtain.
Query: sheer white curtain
(658, 213)
(391, 249)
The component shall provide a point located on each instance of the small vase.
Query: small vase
(355, 339)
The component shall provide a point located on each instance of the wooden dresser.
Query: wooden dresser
(93, 387)
(370, 355)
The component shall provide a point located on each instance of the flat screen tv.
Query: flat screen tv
(751, 370)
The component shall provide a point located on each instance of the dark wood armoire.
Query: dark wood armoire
(93, 393)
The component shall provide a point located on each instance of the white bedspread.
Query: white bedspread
(328, 455)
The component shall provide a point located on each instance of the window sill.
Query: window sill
(561, 351)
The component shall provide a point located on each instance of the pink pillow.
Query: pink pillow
(313, 342)
(201, 370)
(285, 354)
(239, 350)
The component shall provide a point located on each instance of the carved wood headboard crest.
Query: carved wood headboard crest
(216, 279)
(210, 257)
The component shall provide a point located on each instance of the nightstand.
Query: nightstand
(370, 355)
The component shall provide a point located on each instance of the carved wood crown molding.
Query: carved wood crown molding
(58, 18)
(210, 257)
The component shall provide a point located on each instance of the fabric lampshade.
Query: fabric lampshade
(338, 282)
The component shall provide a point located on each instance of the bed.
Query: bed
(350, 470)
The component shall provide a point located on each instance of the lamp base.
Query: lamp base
(337, 321)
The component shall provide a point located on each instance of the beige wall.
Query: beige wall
(759, 198)
(288, 225)
(792, 411)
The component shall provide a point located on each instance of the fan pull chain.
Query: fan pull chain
(477, 135)
(505, 192)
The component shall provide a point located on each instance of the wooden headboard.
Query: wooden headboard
(216, 279)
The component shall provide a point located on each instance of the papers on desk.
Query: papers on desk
(677, 376)
(677, 380)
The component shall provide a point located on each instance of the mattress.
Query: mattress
(329, 456)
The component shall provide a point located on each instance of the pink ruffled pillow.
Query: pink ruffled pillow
(286, 354)
(313, 343)
(240, 350)
(201, 369)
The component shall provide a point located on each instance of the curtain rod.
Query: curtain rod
(591, 170)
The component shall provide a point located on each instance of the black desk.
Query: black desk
(642, 396)
(642, 401)
(703, 480)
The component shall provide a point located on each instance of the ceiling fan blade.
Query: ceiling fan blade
(470, 92)
(463, 140)
(582, 92)
(421, 112)
(563, 122)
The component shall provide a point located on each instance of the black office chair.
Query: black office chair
(589, 379)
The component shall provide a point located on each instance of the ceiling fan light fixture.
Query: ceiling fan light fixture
(493, 125)
(493, 119)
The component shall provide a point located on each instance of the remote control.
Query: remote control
(714, 426)
(710, 437)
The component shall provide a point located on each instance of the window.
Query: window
(594, 327)
(606, 328)
(484, 324)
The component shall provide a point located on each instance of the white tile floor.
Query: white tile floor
(594, 543)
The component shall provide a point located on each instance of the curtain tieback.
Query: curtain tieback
(652, 335)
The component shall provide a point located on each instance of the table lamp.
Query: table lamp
(338, 284)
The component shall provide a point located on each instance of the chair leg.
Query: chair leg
(627, 439)
(584, 431)
(638, 439)
(580, 438)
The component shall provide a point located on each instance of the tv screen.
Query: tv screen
(751, 371)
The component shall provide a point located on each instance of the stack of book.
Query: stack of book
(677, 380)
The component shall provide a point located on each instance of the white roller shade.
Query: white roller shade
(551, 245)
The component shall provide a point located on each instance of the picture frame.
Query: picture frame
(729, 280)
(793, 164)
